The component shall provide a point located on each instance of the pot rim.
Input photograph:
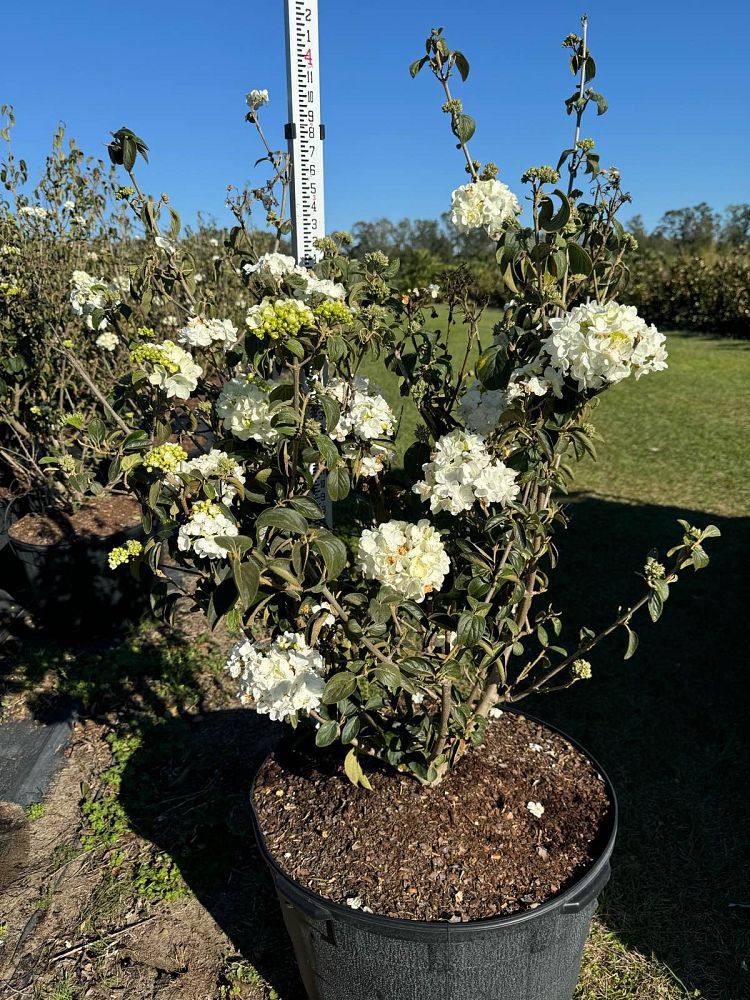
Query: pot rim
(576, 887)
(85, 541)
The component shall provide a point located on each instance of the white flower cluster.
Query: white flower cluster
(199, 332)
(485, 205)
(33, 211)
(245, 410)
(364, 414)
(369, 460)
(462, 472)
(598, 344)
(481, 409)
(410, 558)
(108, 340)
(170, 367)
(256, 99)
(89, 293)
(199, 533)
(282, 678)
(215, 464)
(277, 266)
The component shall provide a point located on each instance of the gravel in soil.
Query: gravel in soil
(467, 849)
(102, 516)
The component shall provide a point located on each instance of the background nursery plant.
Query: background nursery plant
(398, 620)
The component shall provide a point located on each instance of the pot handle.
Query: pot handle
(589, 893)
(293, 898)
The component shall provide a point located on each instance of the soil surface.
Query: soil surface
(98, 518)
(467, 849)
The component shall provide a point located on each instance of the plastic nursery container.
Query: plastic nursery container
(69, 585)
(534, 955)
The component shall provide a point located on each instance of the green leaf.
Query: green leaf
(284, 518)
(294, 347)
(416, 66)
(328, 450)
(354, 771)
(699, 557)
(632, 643)
(465, 128)
(550, 220)
(579, 261)
(350, 730)
(655, 605)
(470, 629)
(307, 507)
(462, 64)
(389, 676)
(339, 687)
(332, 412)
(333, 552)
(247, 577)
(326, 734)
(711, 531)
(337, 483)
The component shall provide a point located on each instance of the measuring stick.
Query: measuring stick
(305, 134)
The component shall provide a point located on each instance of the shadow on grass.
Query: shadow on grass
(670, 726)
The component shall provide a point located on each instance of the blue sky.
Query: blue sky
(676, 75)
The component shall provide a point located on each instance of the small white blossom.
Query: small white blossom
(167, 245)
(107, 341)
(410, 558)
(244, 408)
(364, 414)
(322, 286)
(536, 809)
(217, 465)
(89, 293)
(463, 471)
(170, 367)
(282, 678)
(598, 344)
(198, 535)
(485, 205)
(272, 265)
(256, 99)
(199, 332)
(33, 211)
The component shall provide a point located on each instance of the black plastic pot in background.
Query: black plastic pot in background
(69, 585)
(535, 955)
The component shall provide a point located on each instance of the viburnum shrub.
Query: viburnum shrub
(398, 620)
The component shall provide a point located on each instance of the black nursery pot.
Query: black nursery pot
(345, 954)
(70, 586)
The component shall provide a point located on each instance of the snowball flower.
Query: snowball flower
(244, 408)
(34, 211)
(462, 472)
(483, 205)
(372, 460)
(107, 341)
(199, 332)
(322, 286)
(410, 558)
(170, 367)
(198, 535)
(256, 99)
(89, 293)
(282, 678)
(598, 344)
(536, 809)
(364, 414)
(480, 409)
(215, 464)
(272, 265)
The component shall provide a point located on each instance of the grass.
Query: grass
(669, 726)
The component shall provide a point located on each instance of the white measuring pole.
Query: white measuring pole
(305, 131)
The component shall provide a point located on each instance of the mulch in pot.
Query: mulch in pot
(466, 849)
(96, 519)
